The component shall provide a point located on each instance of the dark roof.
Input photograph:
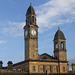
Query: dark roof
(59, 35)
(19, 63)
(9, 62)
(1, 62)
(30, 10)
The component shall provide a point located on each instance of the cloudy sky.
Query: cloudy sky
(51, 14)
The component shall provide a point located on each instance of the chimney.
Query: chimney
(1, 64)
(10, 65)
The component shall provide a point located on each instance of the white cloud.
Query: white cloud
(2, 41)
(55, 12)
(50, 14)
(13, 28)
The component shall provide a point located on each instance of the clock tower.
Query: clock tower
(31, 35)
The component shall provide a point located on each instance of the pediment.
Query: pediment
(46, 56)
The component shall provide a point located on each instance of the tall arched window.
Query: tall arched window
(56, 45)
(57, 69)
(44, 67)
(51, 68)
(33, 68)
(32, 18)
(63, 69)
(62, 45)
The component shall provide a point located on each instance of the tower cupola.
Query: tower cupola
(60, 46)
(30, 16)
(59, 35)
(30, 10)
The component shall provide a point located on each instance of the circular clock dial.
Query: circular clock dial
(33, 32)
(26, 33)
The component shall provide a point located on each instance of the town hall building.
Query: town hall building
(35, 63)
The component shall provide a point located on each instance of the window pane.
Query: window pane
(33, 68)
(63, 69)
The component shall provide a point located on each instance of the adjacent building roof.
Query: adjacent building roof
(59, 35)
(30, 10)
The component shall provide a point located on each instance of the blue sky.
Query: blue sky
(51, 14)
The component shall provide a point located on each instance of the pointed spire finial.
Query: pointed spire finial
(58, 28)
(30, 4)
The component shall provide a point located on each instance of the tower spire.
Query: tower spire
(30, 13)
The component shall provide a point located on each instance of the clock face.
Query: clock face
(33, 32)
(26, 33)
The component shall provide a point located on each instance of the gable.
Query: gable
(46, 56)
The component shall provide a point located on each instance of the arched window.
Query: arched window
(32, 18)
(56, 45)
(44, 68)
(33, 68)
(62, 45)
(57, 69)
(63, 69)
(51, 68)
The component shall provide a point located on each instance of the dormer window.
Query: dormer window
(32, 18)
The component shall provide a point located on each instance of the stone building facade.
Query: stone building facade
(35, 63)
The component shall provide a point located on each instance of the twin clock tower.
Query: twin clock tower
(31, 35)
